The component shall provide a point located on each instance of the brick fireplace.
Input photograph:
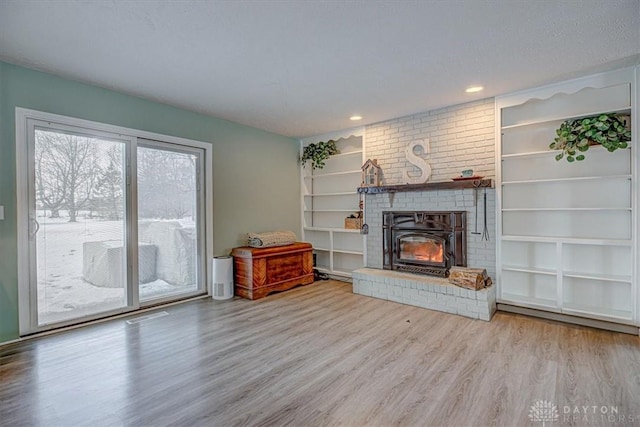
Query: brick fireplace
(422, 290)
(461, 137)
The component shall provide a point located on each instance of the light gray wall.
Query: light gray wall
(256, 183)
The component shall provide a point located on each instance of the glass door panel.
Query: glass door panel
(169, 221)
(78, 229)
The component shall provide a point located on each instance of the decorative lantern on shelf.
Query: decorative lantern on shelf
(371, 173)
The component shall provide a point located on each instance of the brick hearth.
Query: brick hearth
(429, 292)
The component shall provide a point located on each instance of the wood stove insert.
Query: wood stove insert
(424, 242)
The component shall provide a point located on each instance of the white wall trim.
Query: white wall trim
(600, 80)
(345, 134)
(635, 189)
(22, 218)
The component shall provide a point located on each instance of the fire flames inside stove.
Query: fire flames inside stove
(421, 249)
(424, 242)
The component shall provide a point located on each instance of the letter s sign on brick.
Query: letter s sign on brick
(417, 161)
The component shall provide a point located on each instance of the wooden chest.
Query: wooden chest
(260, 271)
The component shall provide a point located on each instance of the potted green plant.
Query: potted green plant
(318, 153)
(575, 136)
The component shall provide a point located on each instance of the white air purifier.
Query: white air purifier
(222, 287)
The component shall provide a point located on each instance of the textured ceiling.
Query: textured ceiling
(301, 68)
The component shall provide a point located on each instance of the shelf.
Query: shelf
(328, 196)
(547, 304)
(546, 153)
(430, 186)
(340, 273)
(576, 220)
(348, 153)
(623, 110)
(596, 312)
(331, 210)
(562, 209)
(530, 154)
(346, 193)
(333, 174)
(333, 272)
(335, 230)
(340, 251)
(545, 271)
(601, 277)
(582, 178)
(569, 240)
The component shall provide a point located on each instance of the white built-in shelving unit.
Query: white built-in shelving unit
(567, 232)
(329, 195)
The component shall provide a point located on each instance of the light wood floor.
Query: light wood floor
(317, 355)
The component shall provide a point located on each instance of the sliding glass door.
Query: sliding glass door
(110, 223)
(170, 219)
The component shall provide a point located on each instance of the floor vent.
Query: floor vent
(147, 317)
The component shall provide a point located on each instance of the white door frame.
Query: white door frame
(26, 118)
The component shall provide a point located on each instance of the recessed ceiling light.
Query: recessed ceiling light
(354, 118)
(473, 89)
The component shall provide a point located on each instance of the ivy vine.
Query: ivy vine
(318, 153)
(576, 135)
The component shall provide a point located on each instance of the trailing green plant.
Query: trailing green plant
(318, 153)
(574, 136)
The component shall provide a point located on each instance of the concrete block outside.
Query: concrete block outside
(103, 263)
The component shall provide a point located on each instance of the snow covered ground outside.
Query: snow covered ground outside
(62, 292)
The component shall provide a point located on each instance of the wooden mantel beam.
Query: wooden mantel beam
(429, 186)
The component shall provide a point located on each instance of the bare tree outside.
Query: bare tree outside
(76, 173)
(68, 169)
(50, 187)
(169, 194)
(108, 194)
